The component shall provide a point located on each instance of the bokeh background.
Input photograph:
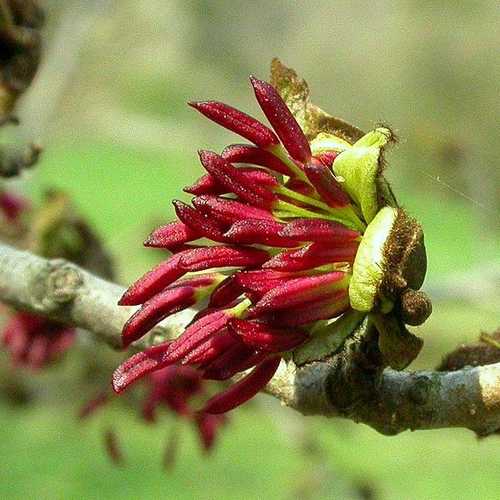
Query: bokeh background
(109, 107)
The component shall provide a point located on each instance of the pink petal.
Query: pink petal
(198, 222)
(208, 426)
(222, 256)
(209, 185)
(259, 231)
(210, 349)
(206, 184)
(12, 205)
(171, 235)
(299, 291)
(199, 331)
(228, 363)
(282, 120)
(245, 153)
(327, 157)
(245, 389)
(318, 230)
(257, 283)
(17, 338)
(235, 181)
(226, 292)
(139, 365)
(330, 307)
(253, 360)
(13, 329)
(237, 122)
(155, 310)
(301, 187)
(37, 355)
(154, 281)
(322, 178)
(261, 336)
(311, 256)
(227, 211)
(258, 177)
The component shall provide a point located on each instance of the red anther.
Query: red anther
(282, 120)
(326, 184)
(245, 153)
(237, 121)
(245, 389)
(235, 181)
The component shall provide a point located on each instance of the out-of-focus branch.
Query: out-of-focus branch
(388, 401)
(20, 50)
(65, 292)
(20, 47)
(62, 56)
(14, 160)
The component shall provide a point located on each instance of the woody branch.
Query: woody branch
(388, 401)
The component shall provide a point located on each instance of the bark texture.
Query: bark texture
(347, 386)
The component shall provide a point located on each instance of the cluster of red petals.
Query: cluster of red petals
(174, 388)
(34, 341)
(12, 206)
(274, 224)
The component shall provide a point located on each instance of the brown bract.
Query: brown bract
(312, 119)
(405, 269)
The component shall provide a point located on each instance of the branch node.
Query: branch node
(420, 390)
(351, 384)
(63, 283)
(57, 285)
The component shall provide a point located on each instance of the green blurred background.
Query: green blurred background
(109, 107)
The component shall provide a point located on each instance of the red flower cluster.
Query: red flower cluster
(12, 206)
(285, 223)
(174, 387)
(34, 341)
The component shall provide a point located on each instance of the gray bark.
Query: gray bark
(388, 401)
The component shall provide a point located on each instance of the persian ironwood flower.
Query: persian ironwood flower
(14, 217)
(12, 206)
(174, 388)
(283, 219)
(34, 341)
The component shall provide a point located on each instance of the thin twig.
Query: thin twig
(390, 401)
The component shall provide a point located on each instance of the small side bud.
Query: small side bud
(415, 307)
